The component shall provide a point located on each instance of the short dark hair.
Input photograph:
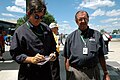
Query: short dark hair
(81, 11)
(36, 6)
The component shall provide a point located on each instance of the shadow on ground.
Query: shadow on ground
(113, 70)
(112, 66)
(8, 64)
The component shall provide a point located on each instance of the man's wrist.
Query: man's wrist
(105, 72)
(30, 60)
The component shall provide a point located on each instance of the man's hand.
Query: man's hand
(37, 58)
(52, 56)
(106, 76)
(67, 65)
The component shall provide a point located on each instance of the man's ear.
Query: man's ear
(28, 13)
(76, 20)
(88, 19)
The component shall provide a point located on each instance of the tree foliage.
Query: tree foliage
(20, 21)
(116, 31)
(102, 30)
(48, 18)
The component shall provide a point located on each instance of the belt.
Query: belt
(83, 67)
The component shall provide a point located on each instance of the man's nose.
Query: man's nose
(83, 20)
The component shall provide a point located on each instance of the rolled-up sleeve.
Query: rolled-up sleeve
(15, 49)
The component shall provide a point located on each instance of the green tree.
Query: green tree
(102, 30)
(115, 32)
(48, 18)
(119, 31)
(20, 21)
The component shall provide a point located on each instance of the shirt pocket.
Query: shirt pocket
(92, 46)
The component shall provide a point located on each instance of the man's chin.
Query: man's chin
(83, 27)
(37, 23)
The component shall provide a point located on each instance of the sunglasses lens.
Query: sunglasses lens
(38, 17)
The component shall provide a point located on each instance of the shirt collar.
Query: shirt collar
(30, 25)
(84, 32)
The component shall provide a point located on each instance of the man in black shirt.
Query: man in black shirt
(33, 45)
(84, 49)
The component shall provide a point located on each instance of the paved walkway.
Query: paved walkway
(112, 59)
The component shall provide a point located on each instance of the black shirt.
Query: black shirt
(74, 45)
(28, 41)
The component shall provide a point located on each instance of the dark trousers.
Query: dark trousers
(106, 44)
(35, 72)
(55, 69)
(2, 50)
(83, 74)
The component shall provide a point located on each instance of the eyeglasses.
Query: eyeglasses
(81, 19)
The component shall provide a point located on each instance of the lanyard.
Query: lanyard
(28, 25)
(83, 40)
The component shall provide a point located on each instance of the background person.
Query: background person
(8, 40)
(55, 65)
(61, 38)
(31, 43)
(107, 38)
(2, 45)
(84, 49)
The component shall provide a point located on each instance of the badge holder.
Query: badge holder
(85, 50)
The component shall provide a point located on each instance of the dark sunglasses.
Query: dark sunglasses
(36, 16)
